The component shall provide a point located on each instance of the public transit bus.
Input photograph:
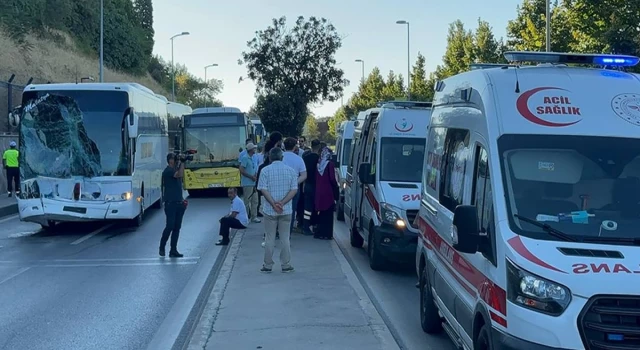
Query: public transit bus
(175, 113)
(90, 152)
(217, 135)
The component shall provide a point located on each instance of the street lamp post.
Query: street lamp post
(101, 41)
(408, 58)
(173, 67)
(362, 63)
(548, 26)
(206, 81)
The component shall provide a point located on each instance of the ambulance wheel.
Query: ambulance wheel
(50, 226)
(429, 317)
(355, 239)
(376, 261)
(483, 341)
(340, 211)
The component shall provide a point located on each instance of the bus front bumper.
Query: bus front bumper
(43, 210)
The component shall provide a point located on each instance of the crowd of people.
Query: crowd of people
(290, 185)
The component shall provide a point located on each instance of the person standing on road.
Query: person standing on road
(249, 172)
(327, 193)
(259, 159)
(174, 204)
(293, 160)
(279, 184)
(10, 163)
(237, 217)
(311, 164)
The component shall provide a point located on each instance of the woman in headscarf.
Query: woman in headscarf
(326, 195)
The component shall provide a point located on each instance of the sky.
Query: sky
(219, 31)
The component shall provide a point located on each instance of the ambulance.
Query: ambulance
(382, 192)
(341, 159)
(531, 205)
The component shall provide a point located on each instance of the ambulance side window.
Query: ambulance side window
(432, 165)
(454, 168)
(482, 198)
(353, 151)
(374, 156)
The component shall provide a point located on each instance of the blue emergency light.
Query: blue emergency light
(572, 58)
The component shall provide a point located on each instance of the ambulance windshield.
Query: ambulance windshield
(401, 159)
(587, 187)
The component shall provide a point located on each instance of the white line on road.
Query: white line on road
(123, 264)
(9, 218)
(115, 260)
(84, 238)
(15, 274)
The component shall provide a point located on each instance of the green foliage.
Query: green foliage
(419, 89)
(334, 122)
(310, 130)
(527, 32)
(293, 68)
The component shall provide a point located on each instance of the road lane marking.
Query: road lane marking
(9, 218)
(84, 238)
(16, 274)
(115, 261)
(168, 263)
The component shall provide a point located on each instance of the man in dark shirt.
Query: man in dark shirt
(174, 204)
(311, 164)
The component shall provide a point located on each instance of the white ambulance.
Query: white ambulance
(531, 206)
(341, 159)
(382, 195)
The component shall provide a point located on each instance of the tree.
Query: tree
(369, 93)
(609, 26)
(310, 130)
(273, 110)
(527, 32)
(419, 89)
(393, 88)
(298, 64)
(144, 15)
(459, 53)
(487, 49)
(334, 122)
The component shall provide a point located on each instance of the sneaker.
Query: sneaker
(9, 194)
(256, 220)
(265, 270)
(263, 244)
(287, 269)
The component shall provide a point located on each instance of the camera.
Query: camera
(186, 156)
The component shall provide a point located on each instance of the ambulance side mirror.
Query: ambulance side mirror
(364, 174)
(465, 233)
(334, 159)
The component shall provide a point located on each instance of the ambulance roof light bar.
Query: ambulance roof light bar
(475, 66)
(572, 58)
(403, 104)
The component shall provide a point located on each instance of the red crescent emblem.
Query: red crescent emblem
(522, 104)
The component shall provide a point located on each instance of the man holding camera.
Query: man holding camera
(174, 203)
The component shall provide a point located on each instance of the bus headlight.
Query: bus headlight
(121, 197)
(533, 292)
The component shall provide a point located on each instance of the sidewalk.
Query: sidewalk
(8, 206)
(321, 305)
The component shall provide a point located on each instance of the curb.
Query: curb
(376, 321)
(9, 210)
(204, 326)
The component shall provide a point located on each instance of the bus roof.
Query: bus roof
(212, 110)
(90, 87)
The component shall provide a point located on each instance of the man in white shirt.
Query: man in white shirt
(278, 184)
(293, 160)
(237, 217)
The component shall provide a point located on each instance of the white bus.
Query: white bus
(175, 113)
(90, 152)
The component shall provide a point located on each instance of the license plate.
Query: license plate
(215, 185)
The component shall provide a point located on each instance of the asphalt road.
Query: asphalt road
(395, 295)
(96, 286)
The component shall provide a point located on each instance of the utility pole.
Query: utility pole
(548, 26)
(408, 58)
(102, 41)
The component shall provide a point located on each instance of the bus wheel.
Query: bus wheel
(376, 261)
(137, 221)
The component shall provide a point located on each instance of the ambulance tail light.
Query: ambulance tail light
(536, 293)
(572, 58)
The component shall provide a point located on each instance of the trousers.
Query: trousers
(174, 212)
(282, 224)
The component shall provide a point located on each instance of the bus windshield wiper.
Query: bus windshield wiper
(548, 229)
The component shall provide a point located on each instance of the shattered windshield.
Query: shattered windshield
(215, 146)
(72, 133)
(584, 186)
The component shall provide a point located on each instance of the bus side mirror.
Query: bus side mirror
(132, 124)
(176, 142)
(364, 174)
(465, 234)
(14, 119)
